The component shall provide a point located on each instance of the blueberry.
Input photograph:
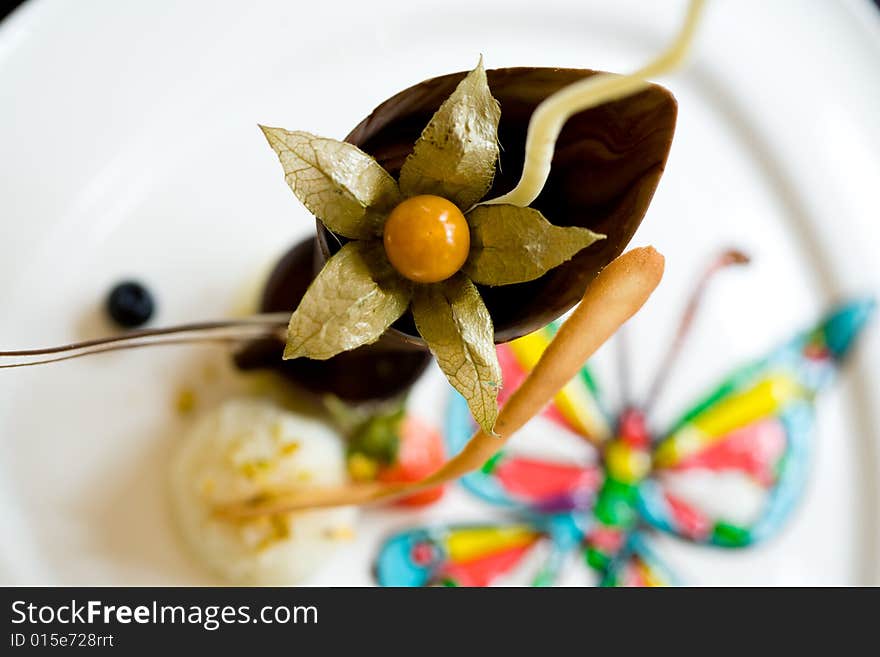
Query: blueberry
(130, 304)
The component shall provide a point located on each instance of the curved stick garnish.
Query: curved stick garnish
(227, 331)
(612, 298)
(550, 116)
(722, 261)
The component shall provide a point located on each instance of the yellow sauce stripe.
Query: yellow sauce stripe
(575, 401)
(470, 543)
(649, 577)
(763, 399)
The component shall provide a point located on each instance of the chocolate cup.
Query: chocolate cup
(383, 370)
(607, 163)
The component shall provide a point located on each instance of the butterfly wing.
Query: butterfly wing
(752, 430)
(526, 475)
(475, 555)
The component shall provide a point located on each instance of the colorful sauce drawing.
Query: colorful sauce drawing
(756, 424)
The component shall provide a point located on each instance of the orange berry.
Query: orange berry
(427, 238)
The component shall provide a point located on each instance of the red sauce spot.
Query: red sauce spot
(538, 480)
(422, 553)
(481, 571)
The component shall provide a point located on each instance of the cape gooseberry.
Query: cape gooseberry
(427, 238)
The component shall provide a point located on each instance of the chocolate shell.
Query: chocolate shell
(380, 371)
(607, 164)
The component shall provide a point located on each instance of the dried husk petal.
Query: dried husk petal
(341, 185)
(454, 322)
(351, 303)
(455, 155)
(510, 244)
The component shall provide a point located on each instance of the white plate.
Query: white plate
(130, 147)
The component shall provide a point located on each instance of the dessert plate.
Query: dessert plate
(131, 149)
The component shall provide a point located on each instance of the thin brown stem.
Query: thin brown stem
(724, 260)
(225, 331)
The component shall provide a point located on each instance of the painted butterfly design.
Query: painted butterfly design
(754, 426)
